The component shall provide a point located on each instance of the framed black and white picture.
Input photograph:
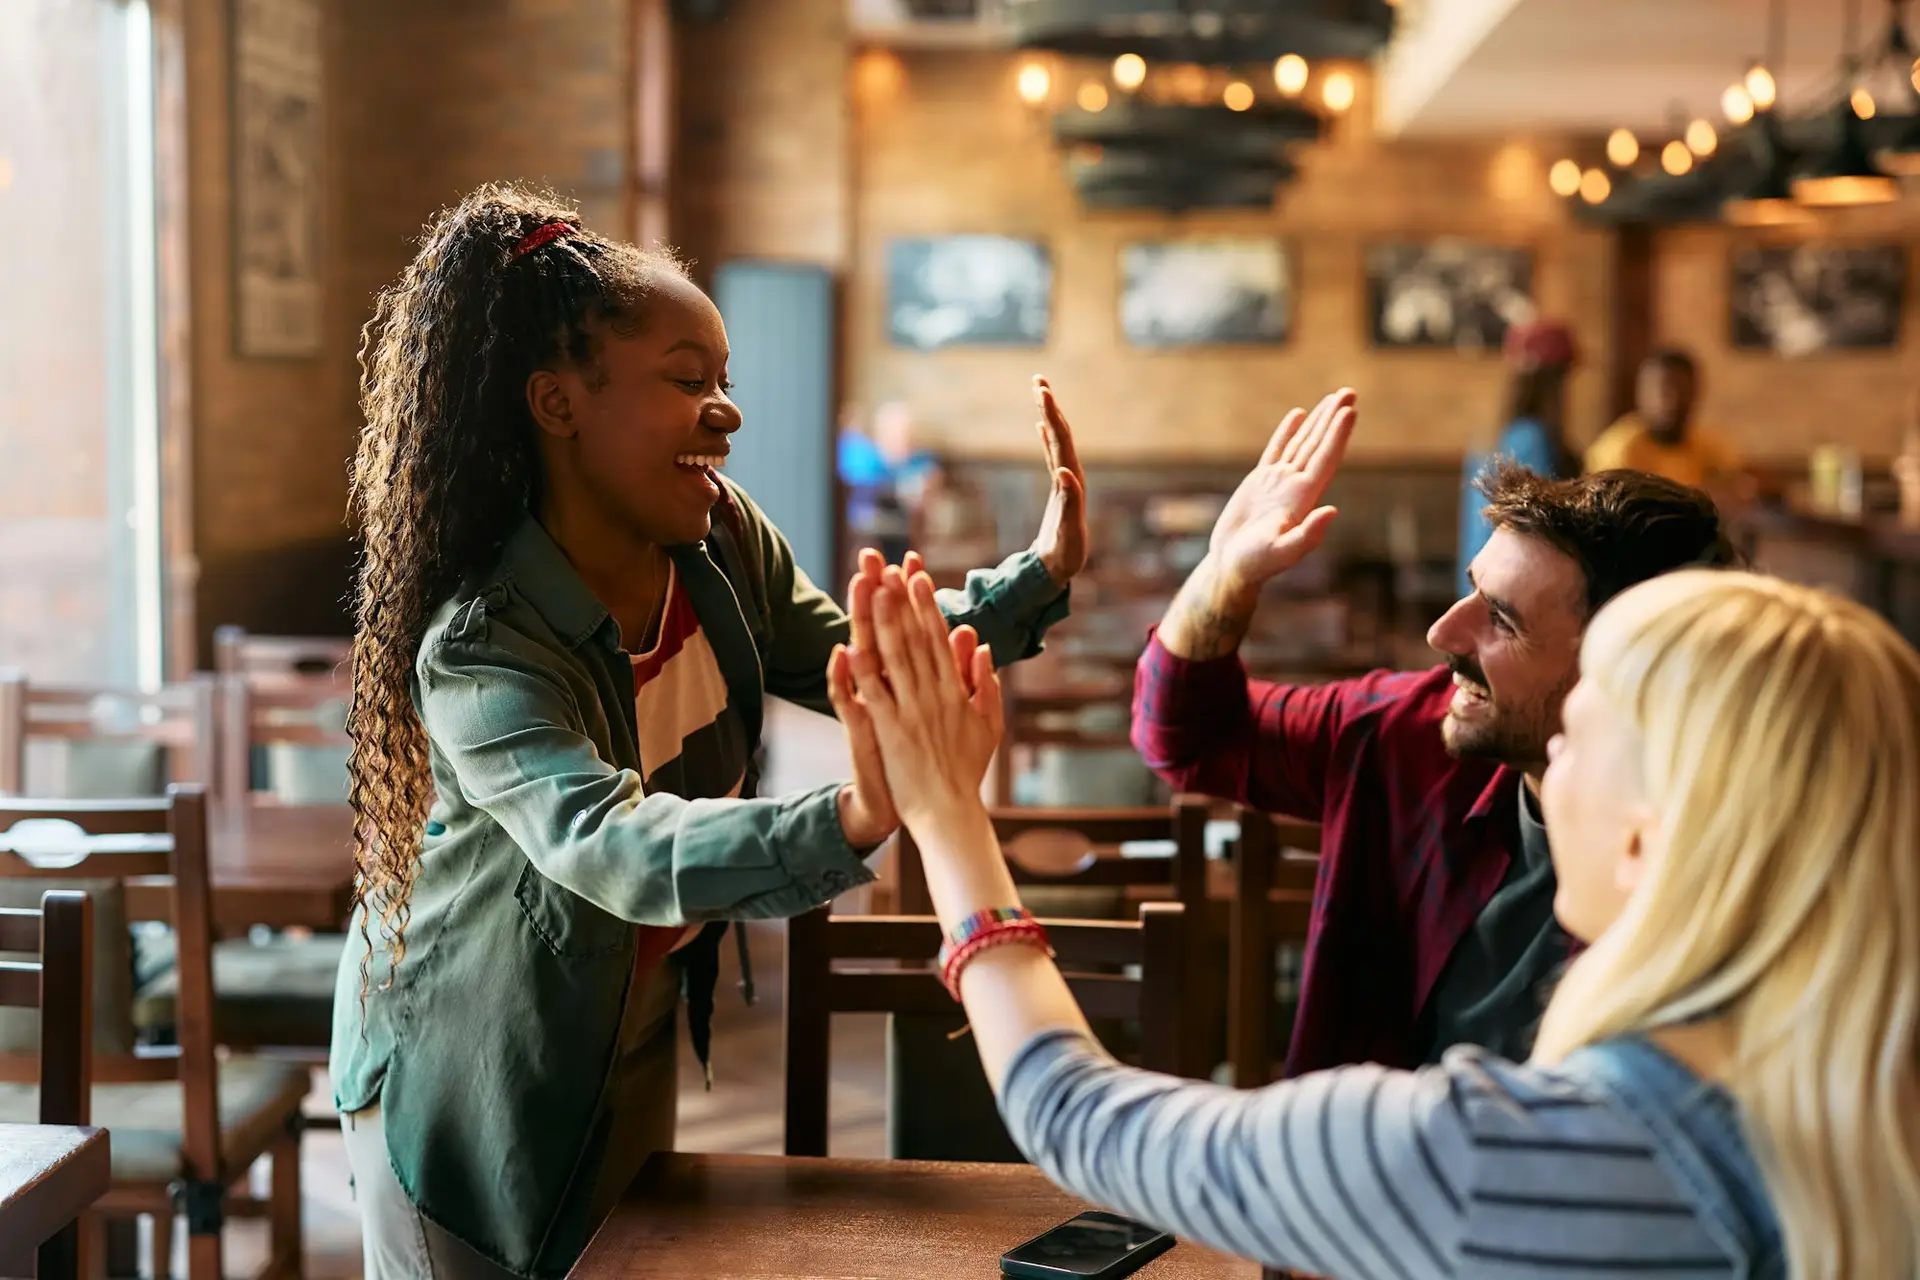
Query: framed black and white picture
(278, 157)
(1199, 293)
(1447, 294)
(968, 291)
(1798, 300)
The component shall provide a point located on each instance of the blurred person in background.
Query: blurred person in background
(886, 478)
(1662, 437)
(1533, 426)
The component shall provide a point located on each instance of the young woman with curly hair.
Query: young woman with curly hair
(568, 620)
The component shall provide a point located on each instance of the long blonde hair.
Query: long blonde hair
(1780, 729)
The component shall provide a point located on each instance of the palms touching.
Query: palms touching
(1275, 518)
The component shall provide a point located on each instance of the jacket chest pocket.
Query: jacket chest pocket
(567, 923)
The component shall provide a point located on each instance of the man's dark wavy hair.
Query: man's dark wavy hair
(1620, 527)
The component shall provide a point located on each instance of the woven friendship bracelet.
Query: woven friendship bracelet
(983, 930)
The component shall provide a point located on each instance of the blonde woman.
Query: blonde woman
(1727, 1082)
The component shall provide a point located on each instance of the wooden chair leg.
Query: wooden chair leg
(120, 1247)
(163, 1245)
(204, 1259)
(283, 1209)
(93, 1246)
(60, 1254)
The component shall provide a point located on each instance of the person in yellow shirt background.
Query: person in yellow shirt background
(1661, 437)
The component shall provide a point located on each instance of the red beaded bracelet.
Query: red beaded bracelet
(984, 930)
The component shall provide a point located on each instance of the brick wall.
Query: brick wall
(931, 143)
(427, 99)
(947, 147)
(761, 153)
(270, 436)
(1779, 409)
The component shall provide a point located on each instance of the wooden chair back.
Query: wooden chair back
(238, 652)
(59, 983)
(288, 691)
(883, 964)
(1275, 865)
(180, 718)
(1080, 848)
(115, 840)
(1088, 713)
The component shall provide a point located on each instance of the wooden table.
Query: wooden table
(49, 1174)
(279, 865)
(777, 1217)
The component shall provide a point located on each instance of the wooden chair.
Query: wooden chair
(278, 692)
(897, 976)
(283, 698)
(60, 985)
(187, 1124)
(1082, 849)
(1275, 864)
(177, 718)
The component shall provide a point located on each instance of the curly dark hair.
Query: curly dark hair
(1620, 527)
(446, 468)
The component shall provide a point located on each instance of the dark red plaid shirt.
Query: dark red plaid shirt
(1413, 843)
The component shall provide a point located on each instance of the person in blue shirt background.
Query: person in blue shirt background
(883, 474)
(1540, 355)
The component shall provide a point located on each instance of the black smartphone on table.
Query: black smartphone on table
(1093, 1246)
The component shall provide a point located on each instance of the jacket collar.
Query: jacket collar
(534, 565)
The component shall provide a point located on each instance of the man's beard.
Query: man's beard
(1515, 736)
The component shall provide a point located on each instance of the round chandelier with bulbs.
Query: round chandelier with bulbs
(1190, 104)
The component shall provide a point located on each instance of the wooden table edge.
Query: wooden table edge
(60, 1193)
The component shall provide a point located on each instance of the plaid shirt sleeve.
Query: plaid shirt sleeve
(1208, 727)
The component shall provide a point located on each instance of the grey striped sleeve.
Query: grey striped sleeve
(1475, 1167)
(1344, 1173)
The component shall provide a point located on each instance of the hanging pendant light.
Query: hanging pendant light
(1890, 83)
(1847, 174)
(1767, 201)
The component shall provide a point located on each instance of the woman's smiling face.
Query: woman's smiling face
(651, 419)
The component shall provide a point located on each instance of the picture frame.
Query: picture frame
(968, 291)
(1206, 292)
(1446, 293)
(278, 159)
(1814, 297)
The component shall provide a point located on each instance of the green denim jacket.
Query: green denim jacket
(490, 1053)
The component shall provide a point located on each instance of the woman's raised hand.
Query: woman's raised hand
(925, 698)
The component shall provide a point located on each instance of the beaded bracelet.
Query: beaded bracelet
(984, 929)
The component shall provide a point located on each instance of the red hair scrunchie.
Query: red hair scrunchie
(542, 234)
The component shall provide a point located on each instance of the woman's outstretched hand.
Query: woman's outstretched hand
(928, 701)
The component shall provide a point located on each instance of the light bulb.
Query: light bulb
(1564, 178)
(1290, 74)
(1238, 96)
(1338, 91)
(1595, 186)
(1092, 96)
(1863, 105)
(1034, 84)
(1622, 147)
(1736, 104)
(1129, 70)
(1702, 138)
(1190, 82)
(1760, 87)
(1675, 158)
